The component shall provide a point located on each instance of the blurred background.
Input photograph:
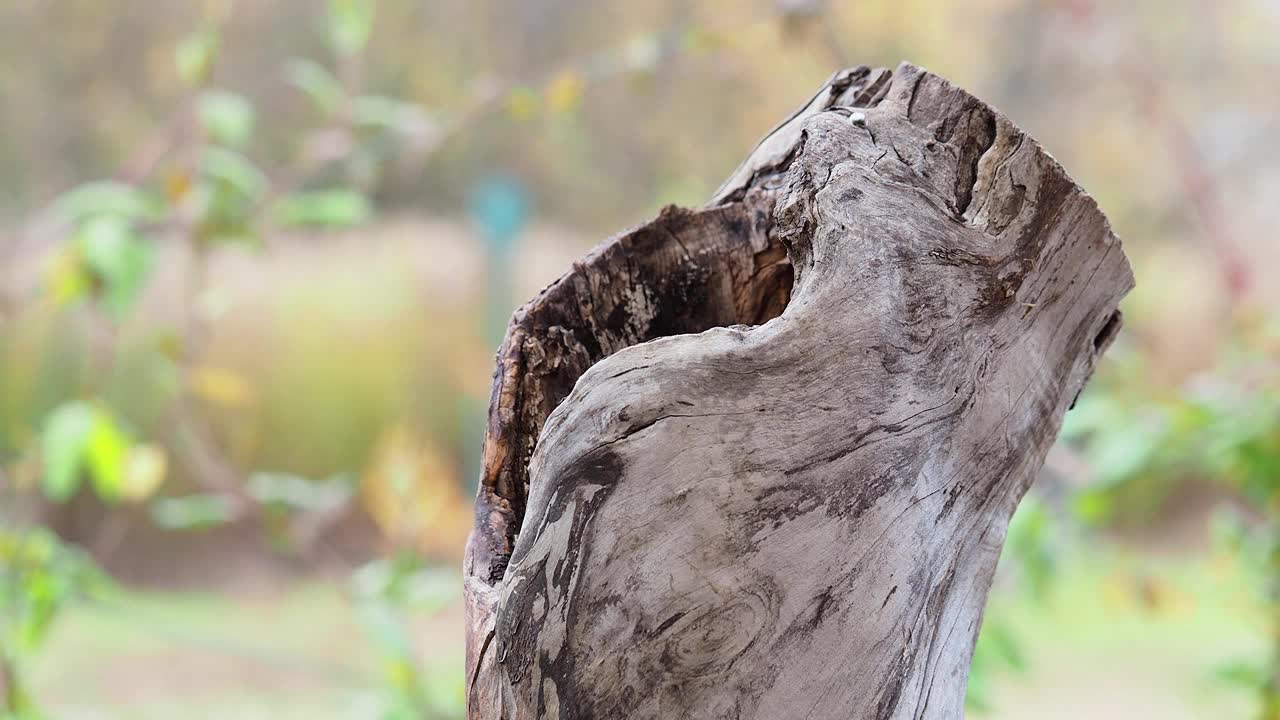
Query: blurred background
(255, 259)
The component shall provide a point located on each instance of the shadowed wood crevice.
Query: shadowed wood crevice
(685, 272)
(720, 484)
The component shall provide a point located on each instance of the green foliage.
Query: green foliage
(82, 438)
(65, 436)
(1029, 547)
(227, 117)
(1140, 445)
(39, 576)
(106, 451)
(998, 650)
(1028, 567)
(193, 512)
(350, 24)
(1257, 548)
(117, 259)
(378, 112)
(106, 259)
(203, 191)
(108, 198)
(233, 172)
(1224, 427)
(317, 83)
(323, 208)
(195, 55)
(287, 492)
(227, 197)
(387, 592)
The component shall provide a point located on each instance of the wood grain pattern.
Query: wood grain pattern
(697, 503)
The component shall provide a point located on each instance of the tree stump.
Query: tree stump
(756, 460)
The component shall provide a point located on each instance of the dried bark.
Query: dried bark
(712, 489)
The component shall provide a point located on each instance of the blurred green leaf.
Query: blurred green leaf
(1006, 646)
(364, 165)
(373, 579)
(228, 197)
(226, 214)
(193, 512)
(1093, 505)
(997, 648)
(387, 628)
(405, 581)
(80, 436)
(63, 441)
(350, 23)
(299, 493)
(1228, 530)
(67, 279)
(1241, 674)
(446, 691)
(106, 451)
(227, 117)
(325, 208)
(118, 258)
(431, 589)
(1027, 543)
(108, 198)
(317, 82)
(977, 697)
(1119, 454)
(233, 170)
(38, 575)
(195, 55)
(380, 112)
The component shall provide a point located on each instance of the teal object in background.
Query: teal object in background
(500, 208)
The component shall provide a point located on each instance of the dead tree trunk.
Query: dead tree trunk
(713, 490)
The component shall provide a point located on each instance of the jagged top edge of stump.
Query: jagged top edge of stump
(864, 87)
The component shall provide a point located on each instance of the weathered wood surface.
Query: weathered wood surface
(696, 503)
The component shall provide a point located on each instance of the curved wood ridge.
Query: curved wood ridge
(697, 503)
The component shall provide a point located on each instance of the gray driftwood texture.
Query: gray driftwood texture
(756, 460)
